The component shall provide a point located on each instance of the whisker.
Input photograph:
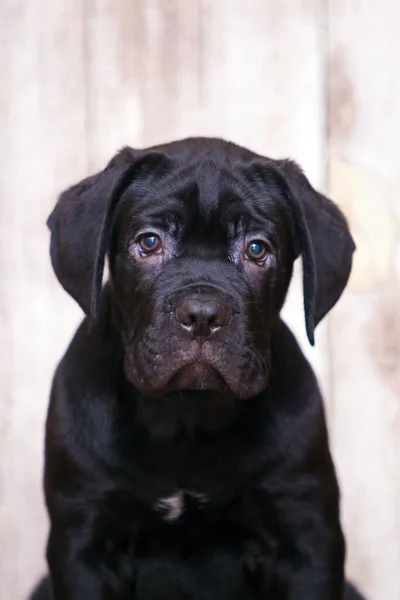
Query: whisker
(259, 358)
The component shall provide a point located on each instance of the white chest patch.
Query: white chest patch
(173, 507)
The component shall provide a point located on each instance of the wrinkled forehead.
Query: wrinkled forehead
(206, 196)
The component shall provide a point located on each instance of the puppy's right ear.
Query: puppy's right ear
(80, 226)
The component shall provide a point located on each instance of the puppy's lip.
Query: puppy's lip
(198, 376)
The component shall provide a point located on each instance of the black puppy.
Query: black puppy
(186, 450)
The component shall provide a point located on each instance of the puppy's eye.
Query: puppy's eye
(256, 251)
(148, 243)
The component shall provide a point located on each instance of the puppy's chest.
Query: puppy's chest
(173, 507)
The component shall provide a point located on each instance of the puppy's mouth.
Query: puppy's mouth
(198, 376)
(209, 367)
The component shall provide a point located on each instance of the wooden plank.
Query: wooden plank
(42, 113)
(144, 73)
(159, 71)
(364, 128)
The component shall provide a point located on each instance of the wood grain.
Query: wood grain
(43, 148)
(364, 146)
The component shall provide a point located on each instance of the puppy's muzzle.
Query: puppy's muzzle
(202, 312)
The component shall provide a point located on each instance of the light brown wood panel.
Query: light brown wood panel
(364, 149)
(43, 148)
(162, 70)
(144, 73)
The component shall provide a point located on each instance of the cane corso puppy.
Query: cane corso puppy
(187, 454)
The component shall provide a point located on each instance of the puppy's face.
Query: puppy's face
(201, 262)
(201, 237)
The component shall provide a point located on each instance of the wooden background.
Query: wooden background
(315, 80)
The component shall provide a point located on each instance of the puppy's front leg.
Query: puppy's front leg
(311, 565)
(74, 574)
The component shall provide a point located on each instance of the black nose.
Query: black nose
(202, 315)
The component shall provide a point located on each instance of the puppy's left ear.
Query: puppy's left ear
(325, 243)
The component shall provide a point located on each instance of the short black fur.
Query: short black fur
(187, 454)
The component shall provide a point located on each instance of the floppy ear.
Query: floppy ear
(325, 243)
(80, 226)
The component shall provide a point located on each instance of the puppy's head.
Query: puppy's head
(201, 237)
